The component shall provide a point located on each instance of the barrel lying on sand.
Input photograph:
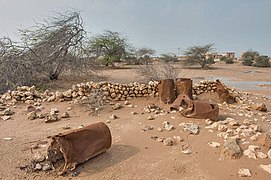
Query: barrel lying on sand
(195, 109)
(78, 146)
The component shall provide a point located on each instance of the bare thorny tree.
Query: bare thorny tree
(45, 51)
(55, 43)
(155, 72)
(15, 69)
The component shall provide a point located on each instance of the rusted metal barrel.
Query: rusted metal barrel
(166, 91)
(79, 145)
(195, 109)
(184, 86)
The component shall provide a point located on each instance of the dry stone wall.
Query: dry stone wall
(108, 91)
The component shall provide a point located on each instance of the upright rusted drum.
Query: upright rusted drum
(166, 91)
(184, 86)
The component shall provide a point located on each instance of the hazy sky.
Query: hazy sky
(164, 25)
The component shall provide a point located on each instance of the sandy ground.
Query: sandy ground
(134, 154)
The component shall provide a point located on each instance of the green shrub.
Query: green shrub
(262, 61)
(227, 60)
(210, 60)
(248, 61)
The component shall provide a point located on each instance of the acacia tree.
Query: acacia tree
(262, 61)
(169, 58)
(197, 55)
(142, 55)
(15, 67)
(53, 44)
(110, 47)
(249, 57)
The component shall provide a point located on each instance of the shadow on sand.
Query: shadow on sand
(115, 155)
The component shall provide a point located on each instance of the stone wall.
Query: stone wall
(108, 91)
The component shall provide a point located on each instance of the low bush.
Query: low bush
(261, 61)
(227, 60)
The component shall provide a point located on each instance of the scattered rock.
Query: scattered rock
(107, 121)
(133, 113)
(46, 167)
(247, 122)
(5, 118)
(154, 137)
(253, 148)
(168, 126)
(269, 153)
(191, 128)
(38, 157)
(38, 167)
(116, 106)
(265, 140)
(113, 116)
(266, 168)
(32, 115)
(244, 172)
(30, 109)
(75, 174)
(130, 106)
(81, 126)
(147, 128)
(208, 122)
(188, 151)
(212, 126)
(250, 154)
(54, 110)
(178, 138)
(147, 109)
(41, 116)
(234, 124)
(261, 155)
(66, 127)
(161, 139)
(231, 149)
(214, 144)
(168, 142)
(126, 102)
(51, 117)
(150, 118)
(37, 104)
(8, 138)
(65, 115)
(256, 128)
(8, 112)
(260, 107)
(160, 129)
(222, 128)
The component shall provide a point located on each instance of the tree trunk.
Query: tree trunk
(53, 76)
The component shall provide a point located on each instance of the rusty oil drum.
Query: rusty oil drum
(184, 86)
(166, 91)
(78, 146)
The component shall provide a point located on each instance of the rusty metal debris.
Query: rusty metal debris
(166, 91)
(184, 86)
(79, 145)
(223, 93)
(195, 109)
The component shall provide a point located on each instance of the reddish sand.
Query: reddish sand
(134, 154)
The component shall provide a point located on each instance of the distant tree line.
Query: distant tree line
(60, 45)
(253, 58)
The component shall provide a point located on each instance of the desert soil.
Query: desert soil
(134, 154)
